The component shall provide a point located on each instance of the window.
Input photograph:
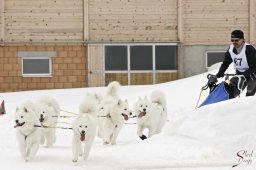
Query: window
(213, 57)
(36, 64)
(147, 63)
(166, 57)
(115, 58)
(141, 58)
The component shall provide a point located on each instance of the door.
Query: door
(95, 66)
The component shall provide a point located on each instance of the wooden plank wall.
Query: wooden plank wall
(204, 22)
(211, 22)
(1, 21)
(133, 20)
(254, 19)
(43, 20)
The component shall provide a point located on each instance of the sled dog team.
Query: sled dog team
(104, 115)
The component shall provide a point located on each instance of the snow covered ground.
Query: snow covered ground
(214, 137)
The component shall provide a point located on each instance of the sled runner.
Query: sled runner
(2, 109)
(222, 91)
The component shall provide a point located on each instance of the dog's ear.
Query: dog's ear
(49, 105)
(75, 129)
(119, 102)
(101, 108)
(89, 110)
(79, 116)
(97, 97)
(17, 109)
(25, 109)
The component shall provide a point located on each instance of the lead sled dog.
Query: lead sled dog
(28, 136)
(84, 129)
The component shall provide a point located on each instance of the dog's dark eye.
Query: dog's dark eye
(140, 105)
(85, 126)
(80, 126)
(146, 105)
(21, 116)
(125, 109)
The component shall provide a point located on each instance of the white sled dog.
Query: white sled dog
(84, 129)
(151, 114)
(48, 111)
(112, 114)
(28, 136)
(111, 120)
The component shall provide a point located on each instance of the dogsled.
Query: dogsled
(222, 91)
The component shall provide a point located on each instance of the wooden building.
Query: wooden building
(78, 43)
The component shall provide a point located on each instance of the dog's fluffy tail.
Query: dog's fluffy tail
(158, 97)
(112, 89)
(88, 107)
(94, 96)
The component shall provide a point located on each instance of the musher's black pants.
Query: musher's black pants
(234, 91)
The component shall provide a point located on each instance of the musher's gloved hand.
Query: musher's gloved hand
(212, 79)
(219, 75)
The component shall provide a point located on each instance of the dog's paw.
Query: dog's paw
(105, 143)
(143, 137)
(113, 143)
(48, 146)
(42, 140)
(24, 156)
(27, 158)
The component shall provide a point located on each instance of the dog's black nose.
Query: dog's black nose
(83, 132)
(144, 110)
(17, 121)
(41, 115)
(130, 113)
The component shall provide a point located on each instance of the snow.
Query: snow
(214, 66)
(207, 138)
